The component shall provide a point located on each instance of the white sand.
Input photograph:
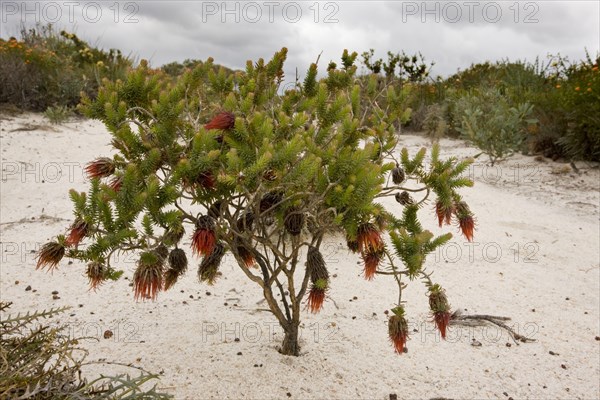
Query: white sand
(537, 248)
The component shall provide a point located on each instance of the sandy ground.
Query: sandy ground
(535, 259)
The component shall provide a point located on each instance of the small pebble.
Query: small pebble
(566, 298)
(225, 304)
(533, 310)
(508, 345)
(597, 338)
(55, 292)
(553, 353)
(16, 282)
(504, 393)
(353, 317)
(28, 288)
(191, 296)
(80, 305)
(475, 343)
(239, 353)
(184, 302)
(355, 298)
(255, 365)
(208, 293)
(108, 334)
(288, 394)
(55, 297)
(563, 366)
(70, 263)
(237, 339)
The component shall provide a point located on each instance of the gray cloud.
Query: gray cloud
(173, 31)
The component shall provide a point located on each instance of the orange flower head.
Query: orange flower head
(398, 329)
(204, 238)
(369, 238)
(371, 258)
(466, 221)
(78, 231)
(100, 168)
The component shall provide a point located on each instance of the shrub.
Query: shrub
(487, 119)
(58, 114)
(262, 176)
(40, 361)
(45, 68)
(580, 94)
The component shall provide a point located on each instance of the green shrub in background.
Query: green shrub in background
(58, 114)
(580, 98)
(45, 68)
(489, 120)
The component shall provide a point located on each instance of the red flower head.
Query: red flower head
(116, 183)
(369, 238)
(100, 168)
(316, 295)
(245, 254)
(398, 329)
(78, 231)
(444, 213)
(319, 276)
(177, 266)
(96, 273)
(438, 303)
(222, 121)
(208, 271)
(372, 258)
(50, 255)
(466, 221)
(204, 238)
(148, 277)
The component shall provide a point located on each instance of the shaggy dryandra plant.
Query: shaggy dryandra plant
(236, 167)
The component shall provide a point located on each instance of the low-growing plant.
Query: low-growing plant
(40, 361)
(487, 119)
(239, 168)
(58, 114)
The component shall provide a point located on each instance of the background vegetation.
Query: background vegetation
(46, 70)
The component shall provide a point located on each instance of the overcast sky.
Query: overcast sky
(453, 34)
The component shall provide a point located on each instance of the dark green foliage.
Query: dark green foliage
(41, 361)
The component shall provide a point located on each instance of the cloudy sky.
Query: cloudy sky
(454, 34)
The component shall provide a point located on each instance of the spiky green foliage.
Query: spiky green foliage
(271, 177)
(41, 361)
